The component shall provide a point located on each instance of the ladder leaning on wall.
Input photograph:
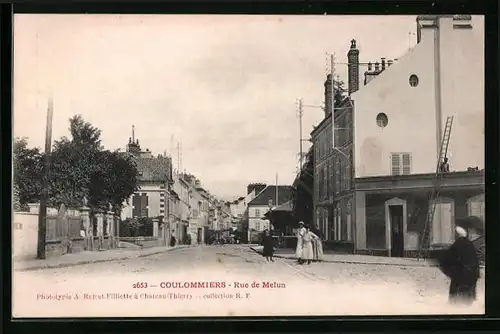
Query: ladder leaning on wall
(434, 194)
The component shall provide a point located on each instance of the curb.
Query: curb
(83, 262)
(357, 262)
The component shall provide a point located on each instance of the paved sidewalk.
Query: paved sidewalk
(358, 259)
(69, 260)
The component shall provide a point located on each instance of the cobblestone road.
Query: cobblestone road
(107, 289)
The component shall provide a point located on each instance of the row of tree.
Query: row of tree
(79, 168)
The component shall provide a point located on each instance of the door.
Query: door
(198, 238)
(397, 231)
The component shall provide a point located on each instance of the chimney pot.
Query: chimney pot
(369, 66)
(377, 66)
(389, 63)
(383, 64)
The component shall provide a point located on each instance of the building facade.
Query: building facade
(399, 119)
(155, 181)
(263, 202)
(333, 161)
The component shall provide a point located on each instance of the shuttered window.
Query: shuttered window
(476, 207)
(401, 164)
(442, 232)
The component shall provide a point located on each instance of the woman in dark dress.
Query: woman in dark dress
(268, 243)
(461, 264)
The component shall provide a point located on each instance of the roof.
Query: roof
(269, 193)
(153, 169)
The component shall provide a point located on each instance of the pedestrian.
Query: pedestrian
(460, 262)
(307, 245)
(300, 233)
(268, 243)
(317, 244)
(173, 241)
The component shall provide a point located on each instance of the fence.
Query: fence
(72, 231)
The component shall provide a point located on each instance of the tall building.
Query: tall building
(155, 180)
(333, 186)
(399, 120)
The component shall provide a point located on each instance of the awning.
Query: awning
(287, 207)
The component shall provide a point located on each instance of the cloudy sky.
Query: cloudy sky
(224, 86)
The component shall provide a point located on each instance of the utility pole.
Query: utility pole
(301, 156)
(277, 190)
(332, 69)
(42, 214)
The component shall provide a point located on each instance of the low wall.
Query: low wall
(24, 235)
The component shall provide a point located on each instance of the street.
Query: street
(212, 281)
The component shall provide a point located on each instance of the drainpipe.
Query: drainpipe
(437, 88)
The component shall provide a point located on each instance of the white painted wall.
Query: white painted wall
(412, 110)
(153, 192)
(24, 235)
(255, 215)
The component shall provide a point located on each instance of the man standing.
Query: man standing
(461, 264)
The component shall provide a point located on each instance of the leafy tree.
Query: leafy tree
(115, 179)
(28, 172)
(79, 168)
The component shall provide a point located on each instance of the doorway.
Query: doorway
(397, 230)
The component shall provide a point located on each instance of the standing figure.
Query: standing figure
(460, 263)
(268, 243)
(307, 246)
(300, 233)
(317, 244)
(173, 241)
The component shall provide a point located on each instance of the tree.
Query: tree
(28, 172)
(81, 168)
(115, 180)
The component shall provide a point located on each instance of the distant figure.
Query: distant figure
(300, 233)
(268, 243)
(445, 167)
(173, 241)
(461, 264)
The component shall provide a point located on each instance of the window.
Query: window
(413, 80)
(337, 225)
(348, 222)
(337, 175)
(257, 226)
(400, 163)
(442, 225)
(325, 180)
(382, 120)
(257, 212)
(475, 207)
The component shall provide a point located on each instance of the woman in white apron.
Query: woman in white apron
(307, 246)
(300, 233)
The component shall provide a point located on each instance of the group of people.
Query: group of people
(460, 262)
(309, 245)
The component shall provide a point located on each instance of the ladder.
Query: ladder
(434, 193)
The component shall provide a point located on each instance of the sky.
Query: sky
(224, 86)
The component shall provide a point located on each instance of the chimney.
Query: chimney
(328, 95)
(383, 64)
(370, 66)
(377, 67)
(353, 68)
(389, 63)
